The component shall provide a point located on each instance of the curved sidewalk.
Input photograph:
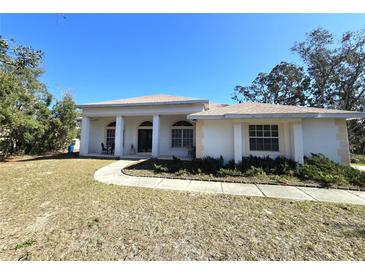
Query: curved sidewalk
(111, 174)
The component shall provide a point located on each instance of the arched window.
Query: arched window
(182, 124)
(110, 134)
(146, 124)
(182, 134)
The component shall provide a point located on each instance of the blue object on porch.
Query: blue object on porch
(71, 148)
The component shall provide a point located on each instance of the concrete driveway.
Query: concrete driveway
(111, 174)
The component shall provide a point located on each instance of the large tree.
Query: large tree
(25, 113)
(284, 84)
(331, 75)
(336, 68)
(63, 125)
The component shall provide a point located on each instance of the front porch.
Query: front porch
(138, 137)
(133, 157)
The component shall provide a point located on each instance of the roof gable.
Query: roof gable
(156, 99)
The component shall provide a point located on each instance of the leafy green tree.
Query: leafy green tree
(24, 100)
(336, 68)
(284, 84)
(25, 113)
(332, 75)
(62, 127)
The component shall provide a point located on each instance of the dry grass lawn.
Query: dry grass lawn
(52, 209)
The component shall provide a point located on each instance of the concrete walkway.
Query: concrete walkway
(111, 174)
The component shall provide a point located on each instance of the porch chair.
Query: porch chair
(112, 148)
(104, 149)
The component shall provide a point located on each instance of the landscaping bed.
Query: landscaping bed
(317, 171)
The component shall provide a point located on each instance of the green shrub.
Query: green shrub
(357, 158)
(182, 172)
(175, 159)
(255, 171)
(312, 172)
(225, 172)
(196, 166)
(231, 164)
(207, 165)
(175, 165)
(277, 166)
(321, 169)
(160, 168)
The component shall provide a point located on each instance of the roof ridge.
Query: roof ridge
(159, 98)
(261, 110)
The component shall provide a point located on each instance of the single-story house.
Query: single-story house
(164, 125)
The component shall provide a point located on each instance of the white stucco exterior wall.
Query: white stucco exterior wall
(320, 136)
(217, 139)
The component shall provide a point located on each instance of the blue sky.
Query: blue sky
(110, 56)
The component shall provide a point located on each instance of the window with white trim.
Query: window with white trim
(182, 134)
(264, 137)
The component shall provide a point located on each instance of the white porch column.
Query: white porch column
(155, 135)
(85, 134)
(298, 143)
(119, 128)
(244, 139)
(237, 142)
(286, 129)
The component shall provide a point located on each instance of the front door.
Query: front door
(144, 140)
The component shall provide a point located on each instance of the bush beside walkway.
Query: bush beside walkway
(316, 171)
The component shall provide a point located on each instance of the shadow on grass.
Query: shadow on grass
(55, 156)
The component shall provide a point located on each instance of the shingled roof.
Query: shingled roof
(260, 110)
(156, 99)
